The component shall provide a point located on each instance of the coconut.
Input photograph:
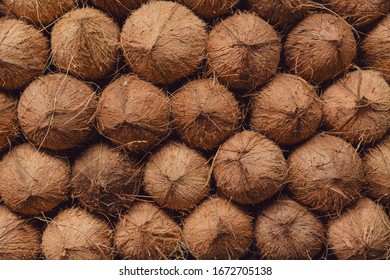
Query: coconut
(24, 51)
(357, 107)
(147, 233)
(119, 8)
(56, 112)
(105, 180)
(362, 232)
(287, 110)
(134, 114)
(326, 173)
(9, 126)
(33, 181)
(177, 177)
(205, 113)
(85, 43)
(249, 168)
(320, 47)
(286, 230)
(217, 229)
(163, 41)
(243, 51)
(75, 234)
(210, 9)
(19, 240)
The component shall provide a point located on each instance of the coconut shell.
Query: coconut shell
(287, 110)
(147, 233)
(243, 51)
(119, 8)
(320, 47)
(177, 177)
(326, 173)
(32, 181)
(205, 113)
(357, 107)
(75, 234)
(249, 168)
(163, 41)
(361, 233)
(134, 114)
(57, 111)
(286, 230)
(209, 9)
(9, 126)
(24, 51)
(85, 43)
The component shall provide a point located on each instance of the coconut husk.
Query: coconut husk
(209, 9)
(119, 8)
(9, 126)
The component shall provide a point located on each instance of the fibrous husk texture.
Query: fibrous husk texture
(357, 106)
(56, 111)
(362, 232)
(205, 113)
(326, 173)
(249, 168)
(217, 229)
(210, 8)
(177, 177)
(75, 234)
(18, 239)
(85, 43)
(243, 51)
(24, 51)
(163, 41)
(119, 8)
(9, 126)
(32, 181)
(105, 180)
(147, 233)
(134, 114)
(287, 110)
(320, 47)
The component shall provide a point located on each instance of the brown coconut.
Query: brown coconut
(75, 234)
(134, 114)
(320, 47)
(119, 8)
(357, 107)
(9, 126)
(57, 111)
(205, 113)
(217, 229)
(19, 240)
(361, 233)
(24, 51)
(286, 230)
(243, 51)
(177, 177)
(33, 181)
(209, 9)
(287, 110)
(326, 173)
(249, 168)
(147, 233)
(85, 43)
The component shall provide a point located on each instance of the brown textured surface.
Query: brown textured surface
(210, 8)
(119, 8)
(9, 126)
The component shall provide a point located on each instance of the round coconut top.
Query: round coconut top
(320, 47)
(119, 8)
(9, 126)
(217, 229)
(134, 114)
(24, 51)
(18, 239)
(105, 180)
(205, 113)
(85, 43)
(56, 111)
(209, 9)
(177, 177)
(362, 232)
(249, 168)
(147, 233)
(287, 110)
(32, 181)
(357, 107)
(163, 41)
(243, 51)
(286, 230)
(75, 234)
(325, 173)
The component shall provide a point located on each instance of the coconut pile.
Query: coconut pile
(194, 129)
